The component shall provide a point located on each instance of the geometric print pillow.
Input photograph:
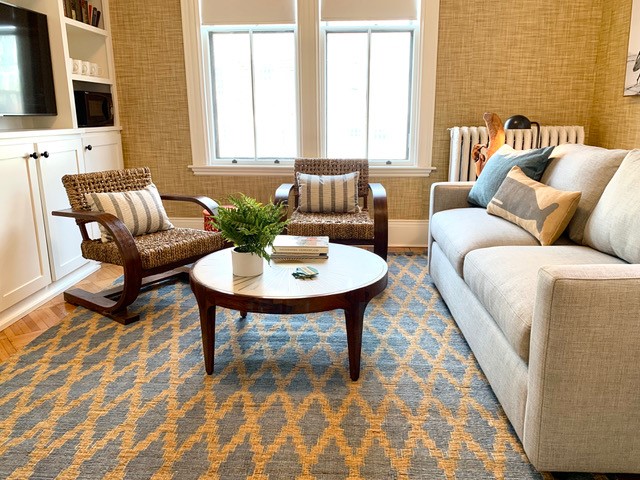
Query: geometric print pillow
(328, 193)
(541, 210)
(140, 210)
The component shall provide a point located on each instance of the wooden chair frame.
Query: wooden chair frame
(113, 302)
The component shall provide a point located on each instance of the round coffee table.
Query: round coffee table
(347, 280)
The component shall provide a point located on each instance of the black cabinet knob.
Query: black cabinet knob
(89, 147)
(34, 155)
(45, 154)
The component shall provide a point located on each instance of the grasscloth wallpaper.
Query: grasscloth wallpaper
(615, 119)
(556, 62)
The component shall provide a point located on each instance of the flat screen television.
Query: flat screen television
(26, 76)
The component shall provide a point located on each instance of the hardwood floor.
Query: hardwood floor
(19, 334)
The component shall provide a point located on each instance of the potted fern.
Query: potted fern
(252, 227)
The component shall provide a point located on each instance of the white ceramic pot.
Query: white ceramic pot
(246, 264)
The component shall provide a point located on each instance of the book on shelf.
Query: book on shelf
(85, 11)
(73, 13)
(300, 244)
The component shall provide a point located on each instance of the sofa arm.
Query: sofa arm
(583, 403)
(448, 195)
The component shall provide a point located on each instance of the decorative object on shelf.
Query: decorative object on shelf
(632, 78)
(480, 152)
(520, 122)
(252, 227)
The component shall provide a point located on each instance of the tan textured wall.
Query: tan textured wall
(615, 119)
(532, 58)
(548, 76)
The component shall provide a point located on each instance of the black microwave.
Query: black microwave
(93, 109)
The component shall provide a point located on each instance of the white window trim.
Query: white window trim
(412, 144)
(310, 141)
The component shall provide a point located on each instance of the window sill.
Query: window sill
(287, 170)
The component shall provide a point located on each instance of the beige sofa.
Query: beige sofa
(556, 329)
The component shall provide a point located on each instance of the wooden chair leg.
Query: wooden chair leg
(113, 302)
(380, 247)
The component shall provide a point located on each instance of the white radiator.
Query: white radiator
(462, 167)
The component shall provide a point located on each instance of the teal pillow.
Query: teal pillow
(532, 163)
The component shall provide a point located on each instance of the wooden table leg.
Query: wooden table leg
(208, 327)
(354, 320)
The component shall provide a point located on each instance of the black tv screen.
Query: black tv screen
(26, 77)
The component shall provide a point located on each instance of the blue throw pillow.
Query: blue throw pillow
(532, 163)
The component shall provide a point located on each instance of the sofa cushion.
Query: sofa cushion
(532, 162)
(541, 210)
(505, 279)
(461, 230)
(614, 225)
(582, 168)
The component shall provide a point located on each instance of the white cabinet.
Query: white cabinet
(59, 157)
(24, 262)
(40, 254)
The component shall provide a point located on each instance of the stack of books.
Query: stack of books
(82, 10)
(293, 247)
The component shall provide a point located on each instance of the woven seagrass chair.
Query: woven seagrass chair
(358, 228)
(146, 259)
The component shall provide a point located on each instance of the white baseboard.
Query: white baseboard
(402, 233)
(22, 308)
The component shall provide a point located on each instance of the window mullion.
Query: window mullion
(368, 90)
(253, 97)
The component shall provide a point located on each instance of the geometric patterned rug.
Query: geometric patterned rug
(91, 398)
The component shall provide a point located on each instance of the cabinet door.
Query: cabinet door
(24, 263)
(102, 151)
(59, 158)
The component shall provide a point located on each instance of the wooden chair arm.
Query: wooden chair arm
(116, 227)
(380, 214)
(205, 202)
(282, 193)
(379, 197)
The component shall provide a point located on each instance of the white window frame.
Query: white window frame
(310, 123)
(210, 95)
(415, 61)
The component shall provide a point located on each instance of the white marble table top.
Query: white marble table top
(347, 268)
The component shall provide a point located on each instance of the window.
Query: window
(272, 81)
(253, 94)
(368, 77)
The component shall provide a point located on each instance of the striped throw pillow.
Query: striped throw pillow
(328, 193)
(140, 210)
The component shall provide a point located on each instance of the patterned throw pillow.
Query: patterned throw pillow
(140, 210)
(328, 193)
(541, 210)
(532, 162)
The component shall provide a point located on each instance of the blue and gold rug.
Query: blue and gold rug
(91, 398)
